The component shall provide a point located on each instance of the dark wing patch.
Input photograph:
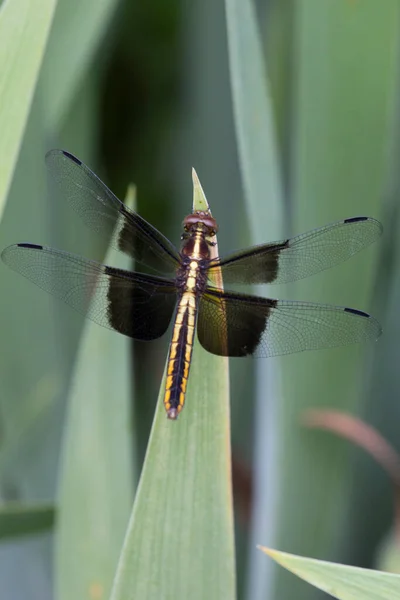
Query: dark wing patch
(137, 305)
(101, 211)
(301, 256)
(239, 325)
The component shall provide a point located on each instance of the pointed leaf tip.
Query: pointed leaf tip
(340, 581)
(199, 199)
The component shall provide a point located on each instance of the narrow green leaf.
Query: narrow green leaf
(254, 122)
(179, 542)
(345, 63)
(24, 29)
(341, 581)
(76, 36)
(97, 472)
(260, 171)
(18, 519)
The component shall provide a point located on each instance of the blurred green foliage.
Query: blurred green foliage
(142, 92)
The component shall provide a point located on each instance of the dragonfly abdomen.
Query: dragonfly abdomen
(180, 354)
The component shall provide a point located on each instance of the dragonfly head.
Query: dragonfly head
(191, 222)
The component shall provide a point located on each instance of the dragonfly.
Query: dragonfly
(228, 323)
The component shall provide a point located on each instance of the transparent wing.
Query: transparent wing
(240, 325)
(137, 305)
(101, 210)
(301, 256)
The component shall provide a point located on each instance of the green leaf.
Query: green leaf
(179, 542)
(24, 29)
(339, 148)
(19, 519)
(97, 472)
(260, 171)
(79, 28)
(254, 123)
(341, 581)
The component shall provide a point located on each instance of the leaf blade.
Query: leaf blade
(24, 30)
(341, 581)
(179, 542)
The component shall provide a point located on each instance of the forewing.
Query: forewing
(137, 305)
(101, 210)
(301, 256)
(239, 325)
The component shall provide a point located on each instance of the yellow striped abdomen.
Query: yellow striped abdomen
(180, 354)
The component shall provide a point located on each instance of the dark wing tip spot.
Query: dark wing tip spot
(27, 245)
(356, 219)
(372, 224)
(72, 157)
(360, 313)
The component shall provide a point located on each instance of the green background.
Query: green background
(289, 111)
